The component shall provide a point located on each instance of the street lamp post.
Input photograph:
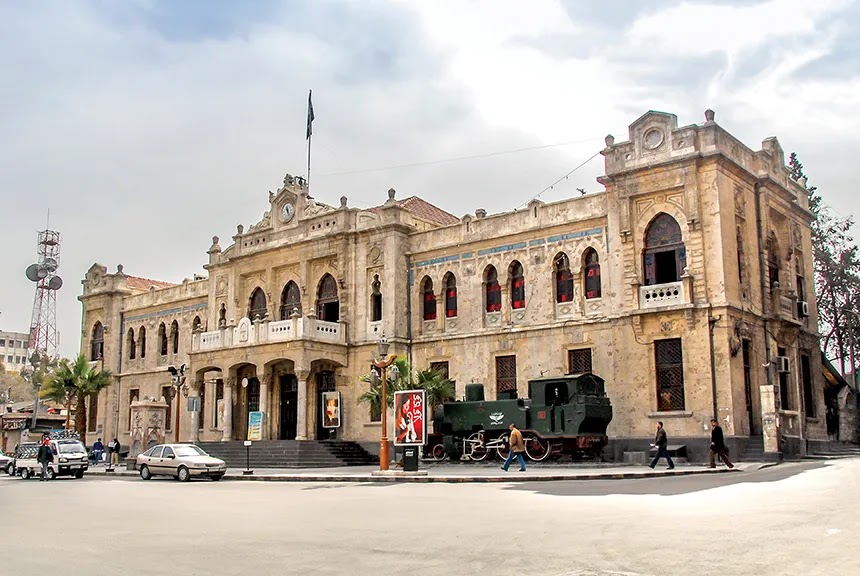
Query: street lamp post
(382, 364)
(178, 377)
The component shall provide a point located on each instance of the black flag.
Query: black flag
(310, 116)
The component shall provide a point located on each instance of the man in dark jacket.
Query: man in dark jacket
(718, 445)
(45, 457)
(661, 441)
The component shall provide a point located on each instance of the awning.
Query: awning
(832, 377)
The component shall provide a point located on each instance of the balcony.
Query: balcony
(247, 333)
(659, 295)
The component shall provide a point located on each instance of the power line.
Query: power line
(550, 187)
(456, 159)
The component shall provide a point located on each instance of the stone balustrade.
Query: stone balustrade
(248, 333)
(658, 295)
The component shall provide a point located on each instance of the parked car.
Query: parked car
(21, 451)
(7, 463)
(182, 461)
(70, 459)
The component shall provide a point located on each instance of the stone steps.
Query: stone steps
(291, 453)
(753, 451)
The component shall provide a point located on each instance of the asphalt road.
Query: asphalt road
(791, 519)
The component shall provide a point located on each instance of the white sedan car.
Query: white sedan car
(182, 461)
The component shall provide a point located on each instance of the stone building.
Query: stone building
(686, 284)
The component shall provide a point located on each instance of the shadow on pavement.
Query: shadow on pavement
(665, 486)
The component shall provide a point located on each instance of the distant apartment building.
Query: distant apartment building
(14, 350)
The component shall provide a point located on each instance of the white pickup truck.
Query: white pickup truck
(70, 459)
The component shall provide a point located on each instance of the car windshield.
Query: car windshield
(70, 447)
(185, 451)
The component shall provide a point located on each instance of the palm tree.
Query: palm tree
(76, 382)
(438, 389)
(373, 396)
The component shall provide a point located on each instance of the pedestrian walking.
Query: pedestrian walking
(518, 447)
(718, 445)
(661, 441)
(98, 450)
(45, 457)
(113, 452)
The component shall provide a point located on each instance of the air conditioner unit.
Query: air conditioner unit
(803, 309)
(782, 364)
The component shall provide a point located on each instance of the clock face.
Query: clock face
(287, 211)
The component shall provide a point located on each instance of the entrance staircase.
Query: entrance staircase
(753, 451)
(291, 453)
(834, 451)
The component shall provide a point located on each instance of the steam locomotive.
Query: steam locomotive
(562, 416)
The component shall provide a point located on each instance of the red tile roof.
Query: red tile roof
(137, 283)
(424, 210)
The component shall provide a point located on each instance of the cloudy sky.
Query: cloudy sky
(148, 126)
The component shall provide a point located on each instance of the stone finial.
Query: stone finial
(271, 195)
(119, 269)
(802, 181)
(216, 247)
(239, 229)
(391, 193)
(610, 140)
(343, 200)
(709, 115)
(480, 213)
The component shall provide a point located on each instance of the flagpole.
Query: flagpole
(309, 162)
(309, 135)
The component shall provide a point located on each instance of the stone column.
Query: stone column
(228, 410)
(195, 415)
(303, 377)
(264, 402)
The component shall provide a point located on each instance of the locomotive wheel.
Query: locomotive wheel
(478, 451)
(503, 451)
(537, 449)
(438, 453)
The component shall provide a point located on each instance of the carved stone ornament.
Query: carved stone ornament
(667, 326)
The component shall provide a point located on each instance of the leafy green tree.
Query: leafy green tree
(85, 384)
(438, 388)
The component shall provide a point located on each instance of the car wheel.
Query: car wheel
(145, 473)
(79, 474)
(217, 477)
(51, 474)
(10, 469)
(25, 474)
(183, 474)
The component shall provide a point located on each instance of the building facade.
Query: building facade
(687, 284)
(14, 350)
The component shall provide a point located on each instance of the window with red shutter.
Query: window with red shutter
(518, 286)
(429, 300)
(592, 274)
(450, 296)
(563, 279)
(494, 291)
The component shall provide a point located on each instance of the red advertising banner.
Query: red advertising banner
(410, 418)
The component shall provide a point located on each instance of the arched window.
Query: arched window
(291, 299)
(141, 338)
(162, 339)
(772, 260)
(174, 336)
(518, 286)
(376, 299)
(257, 304)
(450, 283)
(429, 299)
(493, 290)
(592, 273)
(222, 316)
(563, 279)
(195, 325)
(665, 256)
(328, 306)
(97, 343)
(130, 345)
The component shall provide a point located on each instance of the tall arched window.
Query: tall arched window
(772, 260)
(665, 256)
(130, 345)
(429, 299)
(493, 290)
(376, 299)
(97, 343)
(450, 287)
(518, 286)
(563, 279)
(174, 336)
(141, 338)
(196, 324)
(162, 339)
(328, 306)
(257, 304)
(291, 299)
(592, 273)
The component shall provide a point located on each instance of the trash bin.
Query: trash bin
(410, 459)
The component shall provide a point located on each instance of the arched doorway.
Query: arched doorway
(326, 382)
(665, 255)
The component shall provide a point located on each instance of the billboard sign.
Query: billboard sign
(255, 425)
(331, 409)
(410, 418)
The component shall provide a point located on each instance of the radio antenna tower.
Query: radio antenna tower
(44, 338)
